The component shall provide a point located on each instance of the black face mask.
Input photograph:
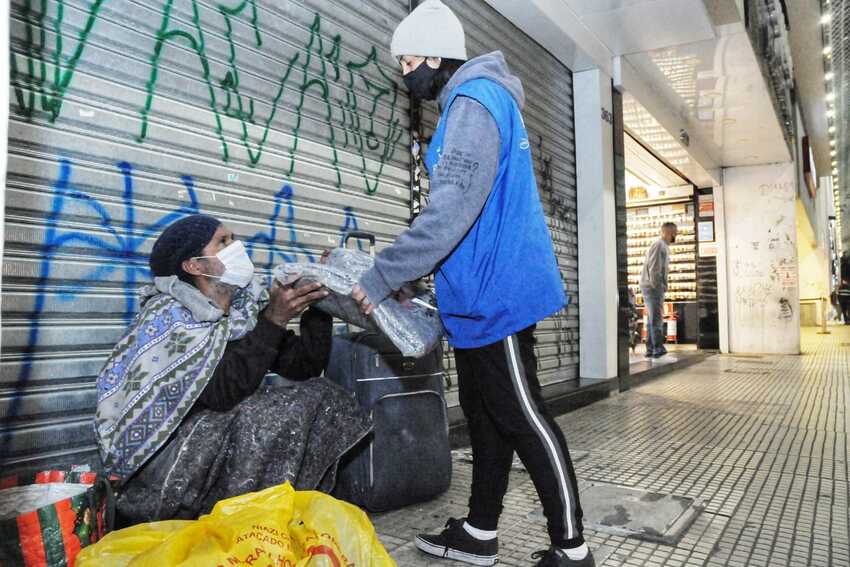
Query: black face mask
(420, 82)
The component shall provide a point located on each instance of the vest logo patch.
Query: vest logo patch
(524, 145)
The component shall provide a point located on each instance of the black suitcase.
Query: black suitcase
(407, 458)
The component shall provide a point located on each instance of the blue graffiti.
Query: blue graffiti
(120, 249)
(350, 225)
(282, 198)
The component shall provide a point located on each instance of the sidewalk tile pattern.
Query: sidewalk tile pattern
(760, 440)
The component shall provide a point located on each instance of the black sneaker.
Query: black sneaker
(456, 543)
(554, 557)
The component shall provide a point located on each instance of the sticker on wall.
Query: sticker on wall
(787, 277)
(706, 205)
(708, 250)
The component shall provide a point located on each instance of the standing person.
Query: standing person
(496, 275)
(653, 286)
(844, 300)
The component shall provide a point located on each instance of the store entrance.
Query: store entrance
(657, 194)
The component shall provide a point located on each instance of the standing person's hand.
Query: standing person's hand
(360, 297)
(326, 253)
(406, 293)
(287, 302)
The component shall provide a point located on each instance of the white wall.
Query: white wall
(813, 257)
(814, 270)
(762, 276)
(597, 245)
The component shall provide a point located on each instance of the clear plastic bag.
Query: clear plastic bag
(414, 326)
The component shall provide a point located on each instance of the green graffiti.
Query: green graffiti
(163, 36)
(230, 83)
(350, 119)
(316, 42)
(33, 85)
(394, 132)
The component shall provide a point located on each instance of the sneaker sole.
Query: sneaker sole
(471, 558)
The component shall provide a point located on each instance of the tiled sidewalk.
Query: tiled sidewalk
(760, 440)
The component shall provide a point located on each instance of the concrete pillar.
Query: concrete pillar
(722, 275)
(761, 263)
(597, 260)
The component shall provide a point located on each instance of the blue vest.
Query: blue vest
(503, 276)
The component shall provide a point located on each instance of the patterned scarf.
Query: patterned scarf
(162, 364)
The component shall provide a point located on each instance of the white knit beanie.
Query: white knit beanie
(431, 30)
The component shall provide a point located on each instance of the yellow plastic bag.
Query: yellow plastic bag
(277, 527)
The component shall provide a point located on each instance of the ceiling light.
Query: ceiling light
(825, 19)
(832, 143)
(830, 113)
(830, 97)
(833, 153)
(827, 50)
(829, 75)
(832, 129)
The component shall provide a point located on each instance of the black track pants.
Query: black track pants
(500, 396)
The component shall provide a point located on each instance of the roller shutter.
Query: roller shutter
(285, 119)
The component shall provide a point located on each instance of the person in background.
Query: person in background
(653, 286)
(183, 419)
(485, 234)
(844, 300)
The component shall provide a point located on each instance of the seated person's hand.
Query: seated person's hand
(326, 253)
(359, 296)
(287, 301)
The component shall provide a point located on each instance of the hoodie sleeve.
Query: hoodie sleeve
(650, 267)
(655, 271)
(460, 184)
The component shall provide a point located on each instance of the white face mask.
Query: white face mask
(238, 267)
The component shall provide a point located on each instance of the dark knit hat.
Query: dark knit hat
(182, 240)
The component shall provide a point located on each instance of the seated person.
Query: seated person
(183, 417)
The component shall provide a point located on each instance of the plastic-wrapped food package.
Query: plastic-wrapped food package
(414, 327)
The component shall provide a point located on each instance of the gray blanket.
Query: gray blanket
(294, 433)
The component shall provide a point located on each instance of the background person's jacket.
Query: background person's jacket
(655, 267)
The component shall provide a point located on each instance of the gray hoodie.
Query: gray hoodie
(459, 187)
(655, 267)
